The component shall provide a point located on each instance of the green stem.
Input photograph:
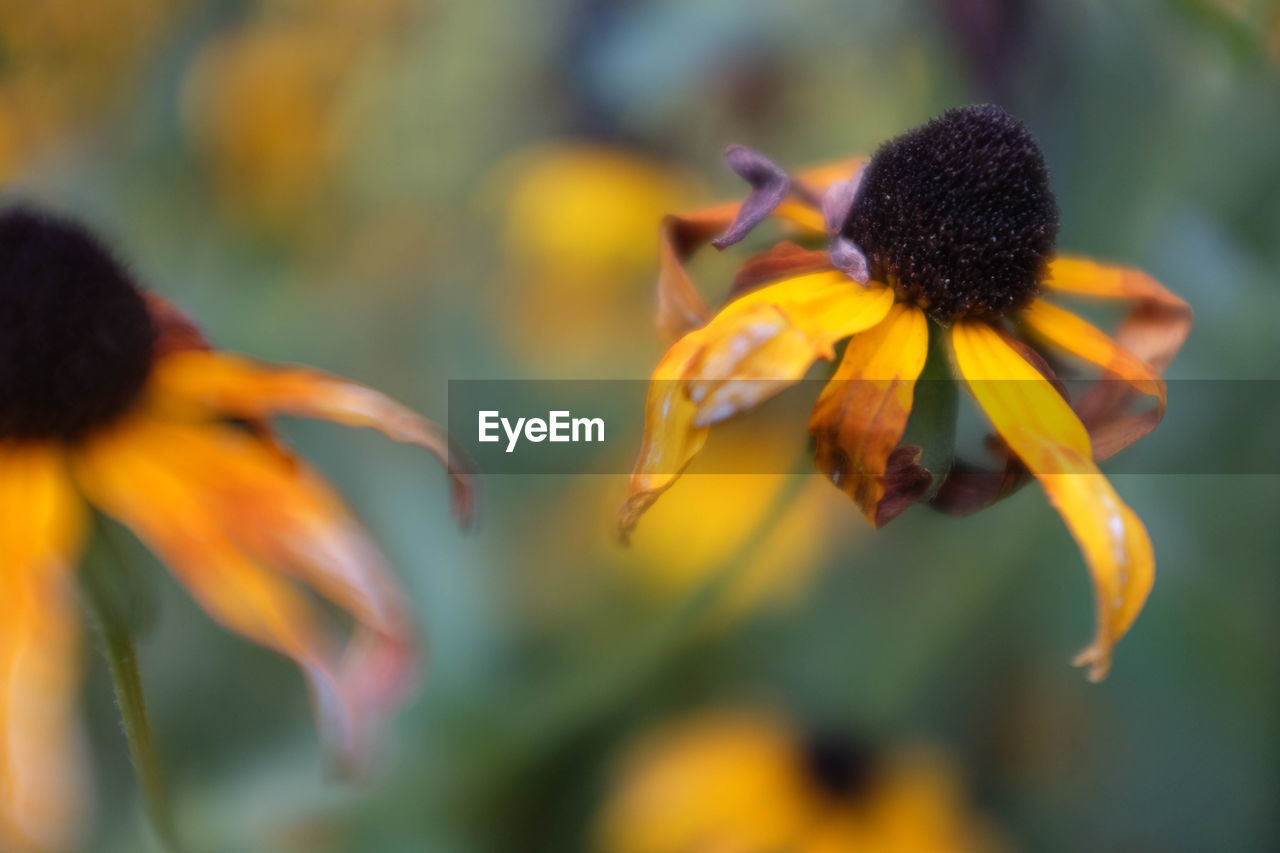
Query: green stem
(608, 680)
(122, 661)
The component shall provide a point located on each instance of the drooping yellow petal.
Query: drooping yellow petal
(230, 516)
(1153, 332)
(42, 764)
(681, 308)
(1156, 328)
(863, 410)
(670, 438)
(1046, 435)
(1104, 408)
(757, 346)
(223, 384)
(1067, 331)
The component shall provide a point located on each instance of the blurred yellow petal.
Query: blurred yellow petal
(724, 782)
(574, 214)
(863, 410)
(917, 805)
(228, 515)
(1046, 435)
(750, 781)
(694, 530)
(582, 210)
(222, 384)
(43, 772)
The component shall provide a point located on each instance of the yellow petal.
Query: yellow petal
(223, 384)
(230, 516)
(670, 439)
(1085, 277)
(1103, 408)
(754, 348)
(42, 765)
(1064, 329)
(725, 781)
(765, 341)
(1046, 435)
(863, 410)
(1158, 325)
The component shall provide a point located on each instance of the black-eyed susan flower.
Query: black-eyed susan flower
(109, 398)
(747, 781)
(947, 233)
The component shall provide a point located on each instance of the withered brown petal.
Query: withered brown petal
(783, 260)
(1153, 331)
(175, 331)
(862, 412)
(681, 309)
(906, 481)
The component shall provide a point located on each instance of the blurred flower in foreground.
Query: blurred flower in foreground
(748, 782)
(947, 233)
(267, 103)
(62, 63)
(573, 215)
(110, 398)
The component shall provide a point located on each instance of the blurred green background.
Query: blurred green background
(411, 192)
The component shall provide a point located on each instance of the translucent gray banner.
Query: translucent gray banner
(579, 427)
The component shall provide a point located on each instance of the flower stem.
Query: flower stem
(611, 677)
(122, 661)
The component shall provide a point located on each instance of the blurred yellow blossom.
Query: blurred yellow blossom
(111, 399)
(64, 64)
(267, 102)
(783, 523)
(579, 230)
(751, 781)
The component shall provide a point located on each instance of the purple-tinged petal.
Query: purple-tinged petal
(769, 186)
(838, 201)
(849, 259)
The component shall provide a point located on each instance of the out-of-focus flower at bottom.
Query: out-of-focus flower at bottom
(750, 781)
(110, 398)
(578, 228)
